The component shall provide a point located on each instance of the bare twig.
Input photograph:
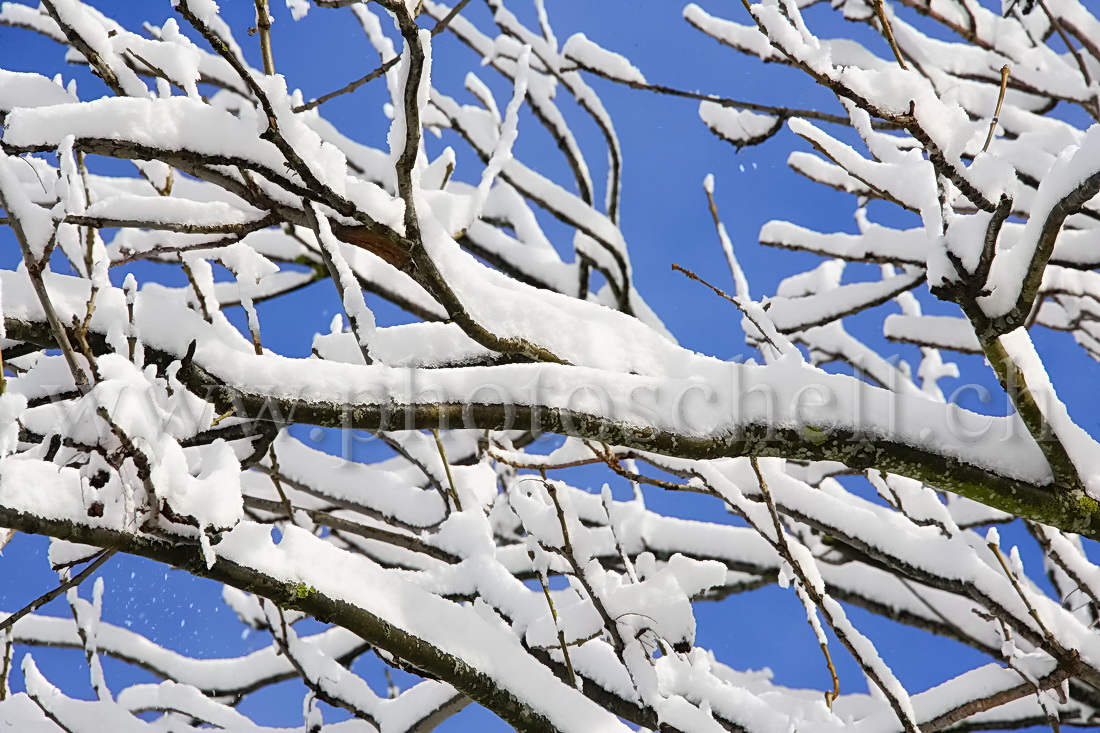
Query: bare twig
(452, 491)
(263, 25)
(997, 112)
(389, 64)
(779, 111)
(1020, 591)
(350, 86)
(5, 670)
(274, 475)
(557, 625)
(782, 546)
(834, 693)
(721, 293)
(567, 546)
(47, 597)
(880, 11)
(397, 539)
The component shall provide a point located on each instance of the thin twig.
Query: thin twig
(339, 524)
(353, 85)
(721, 293)
(349, 87)
(159, 250)
(561, 634)
(785, 112)
(1081, 65)
(997, 111)
(889, 33)
(46, 598)
(35, 267)
(342, 277)
(578, 572)
(325, 693)
(6, 669)
(279, 484)
(224, 415)
(834, 693)
(263, 25)
(155, 70)
(785, 552)
(612, 462)
(88, 641)
(197, 290)
(1020, 591)
(447, 469)
(818, 598)
(740, 284)
(717, 291)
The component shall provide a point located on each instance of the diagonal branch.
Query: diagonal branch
(47, 597)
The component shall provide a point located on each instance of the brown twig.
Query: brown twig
(818, 598)
(353, 85)
(47, 597)
(263, 25)
(779, 111)
(567, 547)
(6, 669)
(889, 33)
(833, 694)
(447, 469)
(349, 87)
(342, 277)
(1020, 591)
(721, 293)
(997, 111)
(1057, 25)
(274, 475)
(561, 634)
(396, 539)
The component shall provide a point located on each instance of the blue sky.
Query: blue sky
(667, 152)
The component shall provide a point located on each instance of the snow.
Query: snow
(1074, 166)
(153, 210)
(908, 178)
(873, 243)
(733, 34)
(298, 8)
(301, 557)
(11, 406)
(738, 126)
(589, 55)
(96, 32)
(220, 676)
(359, 485)
(670, 375)
(205, 10)
(829, 303)
(21, 89)
(1082, 449)
(509, 130)
(20, 713)
(944, 332)
(35, 226)
(351, 296)
(175, 124)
